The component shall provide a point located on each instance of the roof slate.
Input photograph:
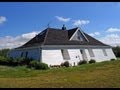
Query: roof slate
(52, 36)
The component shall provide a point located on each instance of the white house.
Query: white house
(55, 46)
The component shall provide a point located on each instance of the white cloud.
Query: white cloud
(29, 35)
(80, 22)
(63, 19)
(97, 33)
(111, 39)
(94, 34)
(113, 30)
(2, 19)
(13, 42)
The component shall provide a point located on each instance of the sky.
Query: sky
(21, 21)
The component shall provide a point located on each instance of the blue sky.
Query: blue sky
(20, 21)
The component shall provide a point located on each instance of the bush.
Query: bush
(82, 62)
(112, 59)
(62, 64)
(23, 61)
(42, 66)
(32, 64)
(118, 58)
(116, 51)
(66, 64)
(11, 61)
(92, 61)
(3, 60)
(4, 52)
(8, 61)
(38, 65)
(14, 62)
(28, 60)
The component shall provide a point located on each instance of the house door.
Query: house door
(84, 56)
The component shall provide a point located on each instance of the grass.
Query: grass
(100, 75)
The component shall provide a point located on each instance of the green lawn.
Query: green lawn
(104, 74)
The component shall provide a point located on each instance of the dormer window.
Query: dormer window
(80, 38)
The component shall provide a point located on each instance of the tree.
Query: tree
(116, 51)
(4, 52)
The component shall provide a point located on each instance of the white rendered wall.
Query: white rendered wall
(75, 56)
(110, 54)
(52, 56)
(99, 55)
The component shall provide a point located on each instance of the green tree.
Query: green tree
(116, 51)
(4, 52)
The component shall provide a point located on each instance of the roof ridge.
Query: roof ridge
(55, 28)
(76, 29)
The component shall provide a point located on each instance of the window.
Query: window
(91, 52)
(104, 52)
(22, 54)
(65, 54)
(26, 54)
(81, 51)
(80, 38)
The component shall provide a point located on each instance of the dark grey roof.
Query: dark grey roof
(52, 36)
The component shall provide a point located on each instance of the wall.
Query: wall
(99, 55)
(32, 53)
(75, 56)
(52, 56)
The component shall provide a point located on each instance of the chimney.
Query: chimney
(63, 28)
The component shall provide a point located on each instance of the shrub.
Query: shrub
(27, 61)
(8, 61)
(116, 51)
(112, 59)
(19, 61)
(4, 52)
(42, 66)
(23, 61)
(82, 62)
(32, 64)
(92, 61)
(62, 64)
(11, 61)
(3, 60)
(118, 58)
(66, 64)
(38, 65)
